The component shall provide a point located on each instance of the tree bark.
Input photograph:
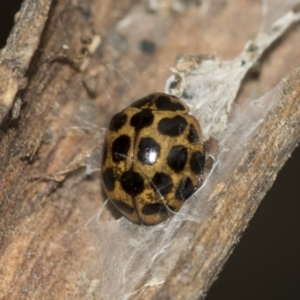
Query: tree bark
(72, 67)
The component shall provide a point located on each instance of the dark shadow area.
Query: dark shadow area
(8, 9)
(266, 263)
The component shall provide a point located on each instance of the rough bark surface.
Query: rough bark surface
(63, 83)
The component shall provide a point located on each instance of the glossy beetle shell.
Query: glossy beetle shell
(153, 158)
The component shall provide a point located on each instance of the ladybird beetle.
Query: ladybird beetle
(153, 158)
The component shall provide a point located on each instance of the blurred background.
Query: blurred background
(266, 262)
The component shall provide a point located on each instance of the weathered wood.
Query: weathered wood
(34, 226)
(69, 88)
(19, 50)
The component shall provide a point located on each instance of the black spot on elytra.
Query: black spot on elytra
(146, 101)
(149, 151)
(193, 137)
(109, 179)
(120, 148)
(157, 209)
(185, 189)
(132, 183)
(177, 158)
(117, 121)
(197, 162)
(123, 207)
(163, 102)
(162, 183)
(142, 119)
(172, 126)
